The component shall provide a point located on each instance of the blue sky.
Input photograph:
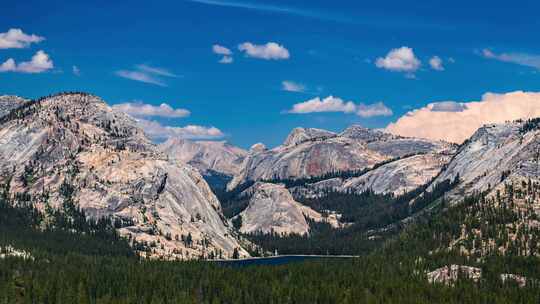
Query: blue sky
(323, 48)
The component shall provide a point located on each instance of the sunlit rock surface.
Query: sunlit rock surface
(271, 208)
(314, 152)
(114, 170)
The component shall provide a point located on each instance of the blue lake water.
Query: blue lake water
(280, 260)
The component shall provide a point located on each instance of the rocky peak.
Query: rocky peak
(361, 133)
(258, 147)
(300, 135)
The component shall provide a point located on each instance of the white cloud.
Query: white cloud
(140, 76)
(329, 104)
(225, 52)
(335, 104)
(140, 109)
(436, 63)
(269, 51)
(373, 110)
(76, 71)
(8, 66)
(146, 74)
(40, 62)
(529, 60)
(291, 86)
(155, 70)
(157, 131)
(226, 60)
(221, 50)
(399, 60)
(17, 39)
(455, 122)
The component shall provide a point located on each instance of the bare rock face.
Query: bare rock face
(271, 208)
(314, 152)
(75, 139)
(495, 153)
(207, 156)
(397, 177)
(8, 103)
(449, 275)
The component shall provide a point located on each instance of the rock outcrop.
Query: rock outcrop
(75, 141)
(449, 275)
(271, 208)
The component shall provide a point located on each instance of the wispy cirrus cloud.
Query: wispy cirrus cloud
(336, 104)
(291, 86)
(529, 60)
(273, 9)
(140, 109)
(155, 70)
(16, 39)
(40, 62)
(147, 74)
(76, 71)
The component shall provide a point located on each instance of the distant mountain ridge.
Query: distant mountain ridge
(315, 152)
(218, 156)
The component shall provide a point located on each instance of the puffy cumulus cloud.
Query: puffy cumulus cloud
(329, 104)
(40, 62)
(17, 39)
(157, 131)
(269, 51)
(291, 86)
(147, 74)
(529, 60)
(436, 63)
(140, 109)
(399, 60)
(455, 122)
(335, 104)
(221, 50)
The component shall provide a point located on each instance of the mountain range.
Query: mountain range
(186, 199)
